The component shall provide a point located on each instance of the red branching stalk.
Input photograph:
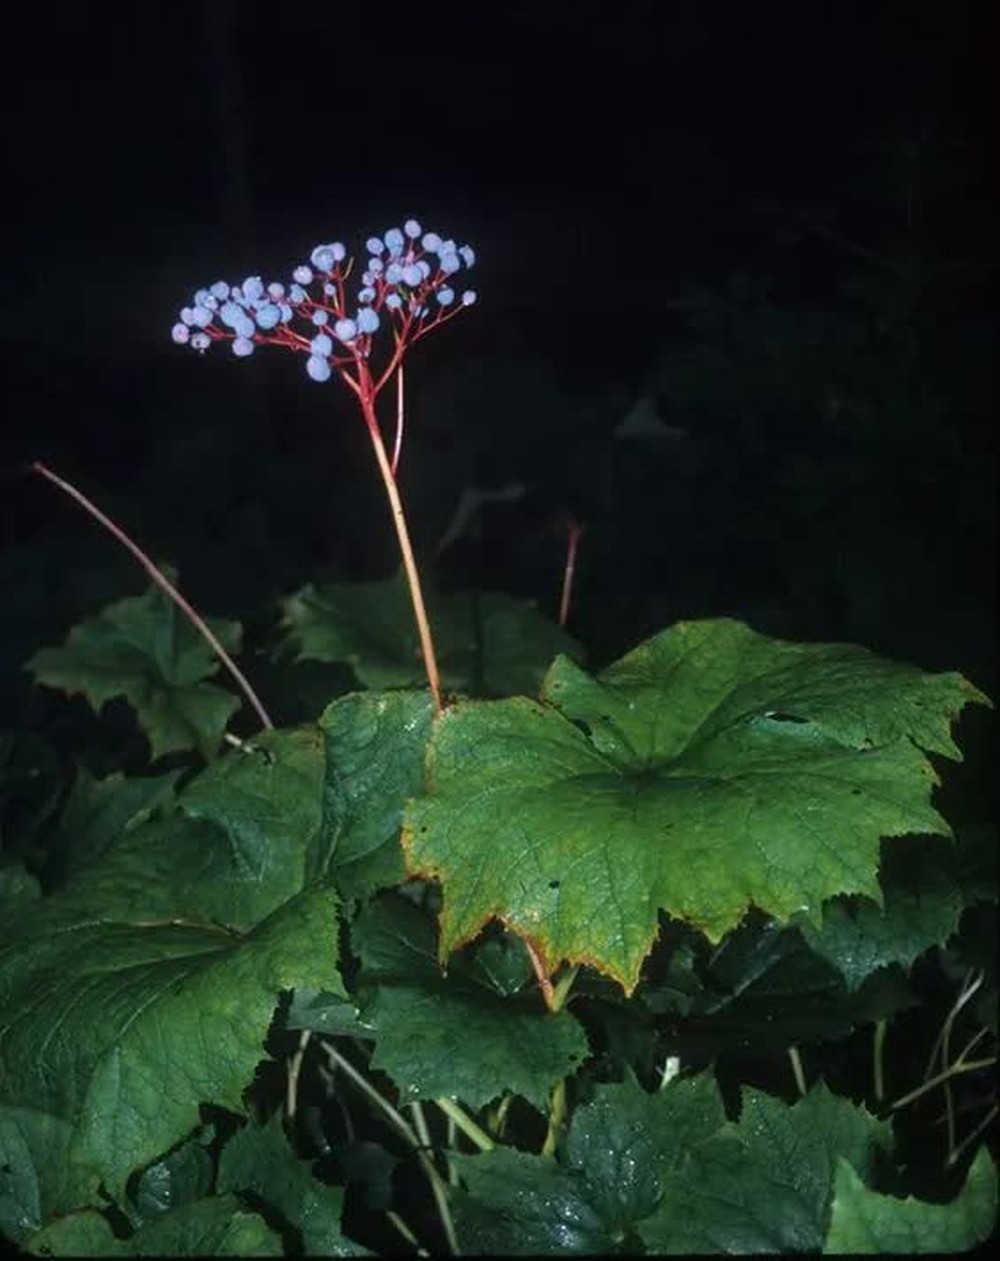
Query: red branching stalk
(165, 585)
(411, 314)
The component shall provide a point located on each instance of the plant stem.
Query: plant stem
(294, 1070)
(557, 1115)
(795, 1059)
(165, 585)
(560, 992)
(878, 1058)
(438, 1186)
(573, 532)
(405, 547)
(397, 445)
(407, 1234)
(466, 1124)
(960, 1066)
(544, 982)
(971, 1137)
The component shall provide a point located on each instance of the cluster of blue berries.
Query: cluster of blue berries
(408, 279)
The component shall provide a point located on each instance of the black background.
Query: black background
(599, 157)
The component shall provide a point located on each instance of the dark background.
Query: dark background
(815, 181)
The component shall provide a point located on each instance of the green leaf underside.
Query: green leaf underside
(499, 642)
(666, 1173)
(123, 1029)
(459, 1035)
(715, 769)
(863, 1221)
(144, 649)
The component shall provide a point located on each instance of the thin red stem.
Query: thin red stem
(544, 982)
(574, 530)
(366, 395)
(400, 413)
(165, 585)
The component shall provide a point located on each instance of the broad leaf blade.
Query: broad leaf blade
(144, 649)
(485, 643)
(716, 770)
(863, 1221)
(764, 1183)
(259, 1159)
(124, 1029)
(455, 1035)
(375, 743)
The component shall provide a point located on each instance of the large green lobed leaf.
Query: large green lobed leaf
(144, 649)
(466, 1035)
(863, 1221)
(668, 1174)
(146, 986)
(485, 643)
(259, 1160)
(709, 770)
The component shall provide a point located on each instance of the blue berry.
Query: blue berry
(368, 320)
(450, 263)
(412, 274)
(318, 369)
(297, 293)
(302, 275)
(322, 258)
(180, 334)
(319, 318)
(220, 289)
(276, 289)
(321, 346)
(393, 301)
(431, 242)
(229, 313)
(201, 316)
(346, 330)
(200, 341)
(374, 245)
(268, 315)
(468, 297)
(468, 255)
(367, 294)
(394, 242)
(446, 296)
(412, 228)
(393, 274)
(242, 346)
